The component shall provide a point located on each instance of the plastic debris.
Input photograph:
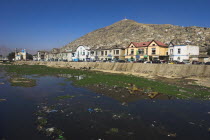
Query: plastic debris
(90, 110)
(49, 131)
(52, 111)
(152, 94)
(172, 135)
(1, 83)
(124, 104)
(191, 123)
(98, 110)
(3, 100)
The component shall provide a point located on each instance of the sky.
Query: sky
(47, 24)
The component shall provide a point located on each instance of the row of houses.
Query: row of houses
(148, 51)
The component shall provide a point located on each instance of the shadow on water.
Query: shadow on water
(56, 109)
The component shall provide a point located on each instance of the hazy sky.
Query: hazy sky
(46, 24)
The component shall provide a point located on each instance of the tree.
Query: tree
(11, 56)
(29, 56)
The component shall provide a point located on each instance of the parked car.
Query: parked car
(156, 61)
(196, 62)
(207, 63)
(186, 61)
(148, 62)
(180, 63)
(121, 61)
(140, 61)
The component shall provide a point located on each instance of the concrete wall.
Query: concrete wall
(175, 70)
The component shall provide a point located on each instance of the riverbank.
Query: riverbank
(165, 70)
(199, 74)
(127, 84)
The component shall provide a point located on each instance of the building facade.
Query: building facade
(82, 54)
(157, 51)
(136, 51)
(42, 55)
(183, 52)
(20, 55)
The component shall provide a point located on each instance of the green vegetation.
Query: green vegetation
(62, 84)
(11, 56)
(117, 80)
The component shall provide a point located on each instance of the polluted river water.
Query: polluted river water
(54, 108)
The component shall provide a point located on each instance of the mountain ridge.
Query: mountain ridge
(123, 32)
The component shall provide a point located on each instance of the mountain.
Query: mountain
(4, 51)
(125, 31)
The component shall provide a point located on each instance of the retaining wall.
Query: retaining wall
(175, 70)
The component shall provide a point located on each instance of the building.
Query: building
(42, 55)
(117, 53)
(203, 55)
(104, 54)
(183, 52)
(136, 51)
(82, 54)
(157, 51)
(54, 54)
(66, 55)
(20, 54)
(35, 58)
(153, 50)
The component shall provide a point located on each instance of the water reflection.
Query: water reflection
(74, 77)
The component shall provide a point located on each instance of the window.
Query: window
(141, 51)
(153, 50)
(102, 53)
(179, 51)
(83, 53)
(153, 44)
(171, 51)
(117, 52)
(105, 52)
(132, 51)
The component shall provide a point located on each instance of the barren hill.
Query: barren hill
(126, 31)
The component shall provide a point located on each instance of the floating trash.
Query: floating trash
(152, 94)
(98, 110)
(1, 83)
(90, 110)
(172, 135)
(3, 100)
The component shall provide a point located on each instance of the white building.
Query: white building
(183, 52)
(20, 55)
(82, 54)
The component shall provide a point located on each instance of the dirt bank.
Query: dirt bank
(199, 74)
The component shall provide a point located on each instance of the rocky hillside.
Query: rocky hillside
(126, 31)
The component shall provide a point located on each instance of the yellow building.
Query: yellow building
(157, 51)
(136, 51)
(153, 50)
